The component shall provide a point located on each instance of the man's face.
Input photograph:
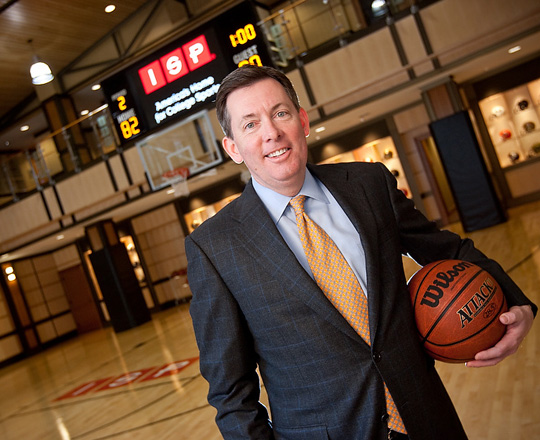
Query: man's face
(269, 135)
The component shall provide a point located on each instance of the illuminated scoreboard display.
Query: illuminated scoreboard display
(184, 76)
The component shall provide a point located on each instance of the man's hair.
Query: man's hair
(243, 77)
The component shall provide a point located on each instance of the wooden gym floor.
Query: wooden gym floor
(144, 383)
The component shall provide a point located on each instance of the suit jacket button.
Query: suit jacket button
(376, 356)
(384, 417)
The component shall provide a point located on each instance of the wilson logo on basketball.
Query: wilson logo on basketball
(434, 291)
(476, 304)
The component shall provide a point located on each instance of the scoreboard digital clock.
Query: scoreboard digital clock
(183, 77)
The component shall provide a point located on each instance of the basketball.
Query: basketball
(457, 307)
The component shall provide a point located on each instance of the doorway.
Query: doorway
(438, 182)
(80, 298)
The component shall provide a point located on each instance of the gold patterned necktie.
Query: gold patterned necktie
(337, 281)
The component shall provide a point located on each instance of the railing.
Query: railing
(86, 140)
(306, 24)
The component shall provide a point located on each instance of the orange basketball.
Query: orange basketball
(457, 307)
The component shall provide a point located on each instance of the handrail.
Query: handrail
(77, 121)
(281, 11)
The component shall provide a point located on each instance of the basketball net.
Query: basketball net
(177, 179)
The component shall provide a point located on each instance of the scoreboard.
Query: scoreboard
(183, 76)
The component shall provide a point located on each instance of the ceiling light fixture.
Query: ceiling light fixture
(378, 8)
(514, 49)
(109, 8)
(25, 128)
(96, 87)
(320, 129)
(39, 71)
(84, 112)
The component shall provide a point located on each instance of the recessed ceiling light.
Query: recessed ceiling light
(320, 129)
(514, 49)
(109, 8)
(84, 112)
(96, 87)
(25, 128)
(60, 237)
(9, 270)
(11, 277)
(170, 191)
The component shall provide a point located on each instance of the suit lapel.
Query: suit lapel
(351, 195)
(262, 240)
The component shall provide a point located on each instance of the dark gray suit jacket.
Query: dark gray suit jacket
(254, 306)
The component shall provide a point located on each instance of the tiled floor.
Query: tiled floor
(150, 393)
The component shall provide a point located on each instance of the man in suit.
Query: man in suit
(256, 305)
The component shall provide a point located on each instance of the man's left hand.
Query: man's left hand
(518, 321)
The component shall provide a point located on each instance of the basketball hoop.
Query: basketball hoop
(177, 179)
(181, 172)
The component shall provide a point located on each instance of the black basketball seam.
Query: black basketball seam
(496, 315)
(445, 358)
(441, 315)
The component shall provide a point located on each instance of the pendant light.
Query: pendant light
(39, 71)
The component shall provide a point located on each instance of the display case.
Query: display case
(197, 216)
(513, 122)
(138, 269)
(382, 150)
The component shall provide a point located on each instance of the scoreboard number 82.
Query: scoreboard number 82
(130, 127)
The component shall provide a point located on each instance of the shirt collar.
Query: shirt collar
(277, 203)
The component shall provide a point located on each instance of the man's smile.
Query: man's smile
(278, 153)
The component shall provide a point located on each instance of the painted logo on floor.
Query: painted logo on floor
(138, 376)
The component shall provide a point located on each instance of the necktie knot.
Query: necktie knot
(297, 204)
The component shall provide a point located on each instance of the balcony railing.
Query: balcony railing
(304, 25)
(84, 141)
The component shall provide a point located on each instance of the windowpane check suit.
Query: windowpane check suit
(255, 306)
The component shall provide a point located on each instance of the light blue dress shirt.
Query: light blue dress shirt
(321, 206)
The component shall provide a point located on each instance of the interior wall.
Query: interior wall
(161, 240)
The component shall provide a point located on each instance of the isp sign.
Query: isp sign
(175, 64)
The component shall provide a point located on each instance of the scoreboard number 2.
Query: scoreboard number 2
(122, 102)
